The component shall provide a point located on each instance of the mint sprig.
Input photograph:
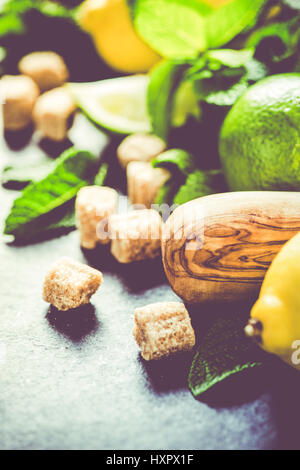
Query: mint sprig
(164, 81)
(217, 77)
(175, 160)
(41, 204)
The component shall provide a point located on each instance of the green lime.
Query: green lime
(260, 137)
(117, 104)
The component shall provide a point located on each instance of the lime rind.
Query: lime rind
(117, 104)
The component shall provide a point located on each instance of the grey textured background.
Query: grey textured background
(76, 380)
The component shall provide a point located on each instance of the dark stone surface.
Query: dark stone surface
(75, 380)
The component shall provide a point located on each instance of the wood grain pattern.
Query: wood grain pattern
(219, 247)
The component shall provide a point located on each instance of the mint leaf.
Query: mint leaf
(276, 42)
(227, 63)
(167, 192)
(185, 104)
(180, 163)
(223, 352)
(229, 57)
(173, 28)
(221, 76)
(220, 95)
(67, 221)
(60, 222)
(63, 219)
(228, 21)
(199, 184)
(10, 24)
(178, 29)
(187, 182)
(164, 81)
(17, 177)
(39, 202)
(175, 160)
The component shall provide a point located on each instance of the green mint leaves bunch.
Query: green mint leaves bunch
(217, 77)
(261, 38)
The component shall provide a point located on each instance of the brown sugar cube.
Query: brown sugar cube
(18, 94)
(94, 204)
(144, 182)
(139, 148)
(135, 235)
(70, 284)
(53, 114)
(162, 329)
(47, 69)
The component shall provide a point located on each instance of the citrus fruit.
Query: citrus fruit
(110, 25)
(217, 3)
(260, 137)
(275, 315)
(117, 104)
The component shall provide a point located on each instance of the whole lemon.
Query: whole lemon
(260, 137)
(110, 25)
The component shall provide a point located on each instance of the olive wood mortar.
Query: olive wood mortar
(218, 247)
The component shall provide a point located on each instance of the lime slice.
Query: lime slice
(117, 104)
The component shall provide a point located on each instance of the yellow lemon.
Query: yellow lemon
(217, 3)
(110, 25)
(275, 317)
